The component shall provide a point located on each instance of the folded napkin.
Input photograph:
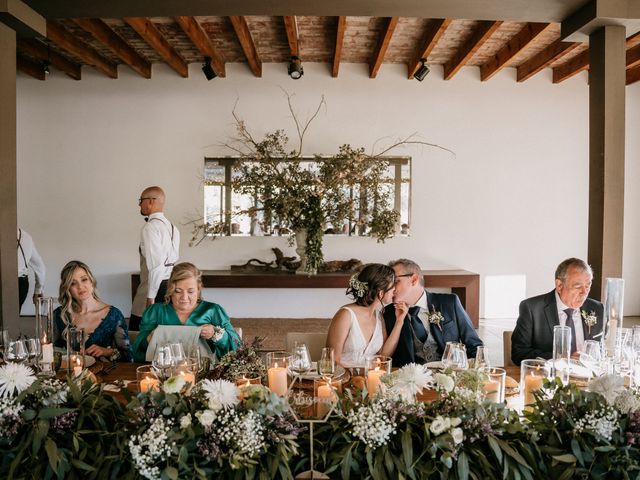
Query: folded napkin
(186, 335)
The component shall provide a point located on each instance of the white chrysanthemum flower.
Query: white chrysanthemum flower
(413, 378)
(14, 379)
(206, 417)
(185, 421)
(439, 425)
(220, 393)
(173, 384)
(457, 435)
(609, 386)
(444, 382)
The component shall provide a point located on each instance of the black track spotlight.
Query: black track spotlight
(207, 69)
(422, 71)
(295, 68)
(45, 67)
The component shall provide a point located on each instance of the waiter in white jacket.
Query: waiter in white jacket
(159, 251)
(29, 258)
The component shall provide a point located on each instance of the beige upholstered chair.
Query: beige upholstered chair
(238, 331)
(133, 334)
(506, 348)
(315, 342)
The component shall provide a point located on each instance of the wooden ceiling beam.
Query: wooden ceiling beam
(518, 43)
(67, 41)
(633, 75)
(150, 34)
(633, 57)
(29, 67)
(574, 66)
(544, 58)
(37, 49)
(203, 42)
(467, 50)
(432, 34)
(389, 27)
(110, 39)
(337, 55)
(291, 27)
(246, 42)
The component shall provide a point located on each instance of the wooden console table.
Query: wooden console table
(464, 284)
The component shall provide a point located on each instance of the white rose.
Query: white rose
(439, 425)
(173, 384)
(444, 382)
(214, 404)
(206, 417)
(455, 421)
(185, 421)
(457, 435)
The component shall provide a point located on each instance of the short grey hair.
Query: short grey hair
(409, 267)
(563, 268)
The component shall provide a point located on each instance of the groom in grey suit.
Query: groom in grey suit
(566, 305)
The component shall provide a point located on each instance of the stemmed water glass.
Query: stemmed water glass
(300, 359)
(591, 355)
(163, 361)
(201, 362)
(482, 357)
(327, 363)
(4, 342)
(455, 356)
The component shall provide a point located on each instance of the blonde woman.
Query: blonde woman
(81, 306)
(184, 306)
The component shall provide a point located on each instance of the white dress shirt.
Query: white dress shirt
(577, 321)
(28, 257)
(160, 247)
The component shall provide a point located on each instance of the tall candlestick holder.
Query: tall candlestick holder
(44, 333)
(75, 350)
(613, 305)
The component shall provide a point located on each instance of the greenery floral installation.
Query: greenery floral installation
(245, 360)
(51, 428)
(347, 185)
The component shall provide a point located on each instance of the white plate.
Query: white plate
(88, 361)
(435, 365)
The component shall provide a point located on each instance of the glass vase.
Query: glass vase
(613, 305)
(44, 333)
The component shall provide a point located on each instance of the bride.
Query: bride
(357, 330)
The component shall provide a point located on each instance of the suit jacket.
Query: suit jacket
(456, 327)
(533, 335)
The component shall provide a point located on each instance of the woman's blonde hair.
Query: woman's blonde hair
(66, 300)
(183, 271)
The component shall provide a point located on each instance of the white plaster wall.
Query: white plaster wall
(513, 201)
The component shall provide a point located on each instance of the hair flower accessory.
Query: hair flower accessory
(360, 288)
(435, 317)
(590, 319)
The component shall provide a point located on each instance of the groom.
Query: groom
(433, 319)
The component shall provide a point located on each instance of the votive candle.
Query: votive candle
(326, 396)
(277, 380)
(148, 383)
(373, 380)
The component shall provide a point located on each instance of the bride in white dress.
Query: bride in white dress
(357, 330)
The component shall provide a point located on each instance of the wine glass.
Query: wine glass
(17, 351)
(177, 352)
(4, 342)
(591, 355)
(33, 350)
(300, 359)
(455, 356)
(163, 360)
(201, 362)
(482, 357)
(327, 363)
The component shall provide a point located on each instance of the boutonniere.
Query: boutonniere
(435, 317)
(590, 319)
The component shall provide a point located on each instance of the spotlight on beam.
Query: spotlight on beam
(207, 69)
(422, 71)
(295, 68)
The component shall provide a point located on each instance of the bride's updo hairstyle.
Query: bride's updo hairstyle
(371, 283)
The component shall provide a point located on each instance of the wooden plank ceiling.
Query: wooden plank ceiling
(140, 42)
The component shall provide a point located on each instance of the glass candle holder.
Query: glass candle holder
(561, 353)
(613, 304)
(377, 366)
(325, 395)
(44, 333)
(494, 386)
(245, 381)
(277, 363)
(532, 375)
(147, 379)
(187, 370)
(75, 349)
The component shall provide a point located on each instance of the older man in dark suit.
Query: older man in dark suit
(566, 305)
(433, 319)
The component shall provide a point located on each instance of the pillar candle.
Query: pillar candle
(149, 383)
(531, 383)
(47, 353)
(278, 380)
(188, 377)
(326, 396)
(492, 391)
(373, 380)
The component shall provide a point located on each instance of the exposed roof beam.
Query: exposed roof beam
(543, 59)
(246, 42)
(518, 43)
(110, 39)
(633, 75)
(342, 23)
(30, 68)
(24, 20)
(481, 34)
(65, 40)
(150, 33)
(432, 34)
(383, 44)
(574, 66)
(633, 57)
(201, 40)
(39, 50)
(291, 26)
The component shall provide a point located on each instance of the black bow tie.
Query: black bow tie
(146, 219)
(415, 310)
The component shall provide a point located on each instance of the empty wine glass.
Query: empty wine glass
(17, 351)
(33, 350)
(455, 356)
(591, 355)
(482, 357)
(4, 342)
(177, 352)
(201, 362)
(163, 361)
(300, 359)
(327, 363)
